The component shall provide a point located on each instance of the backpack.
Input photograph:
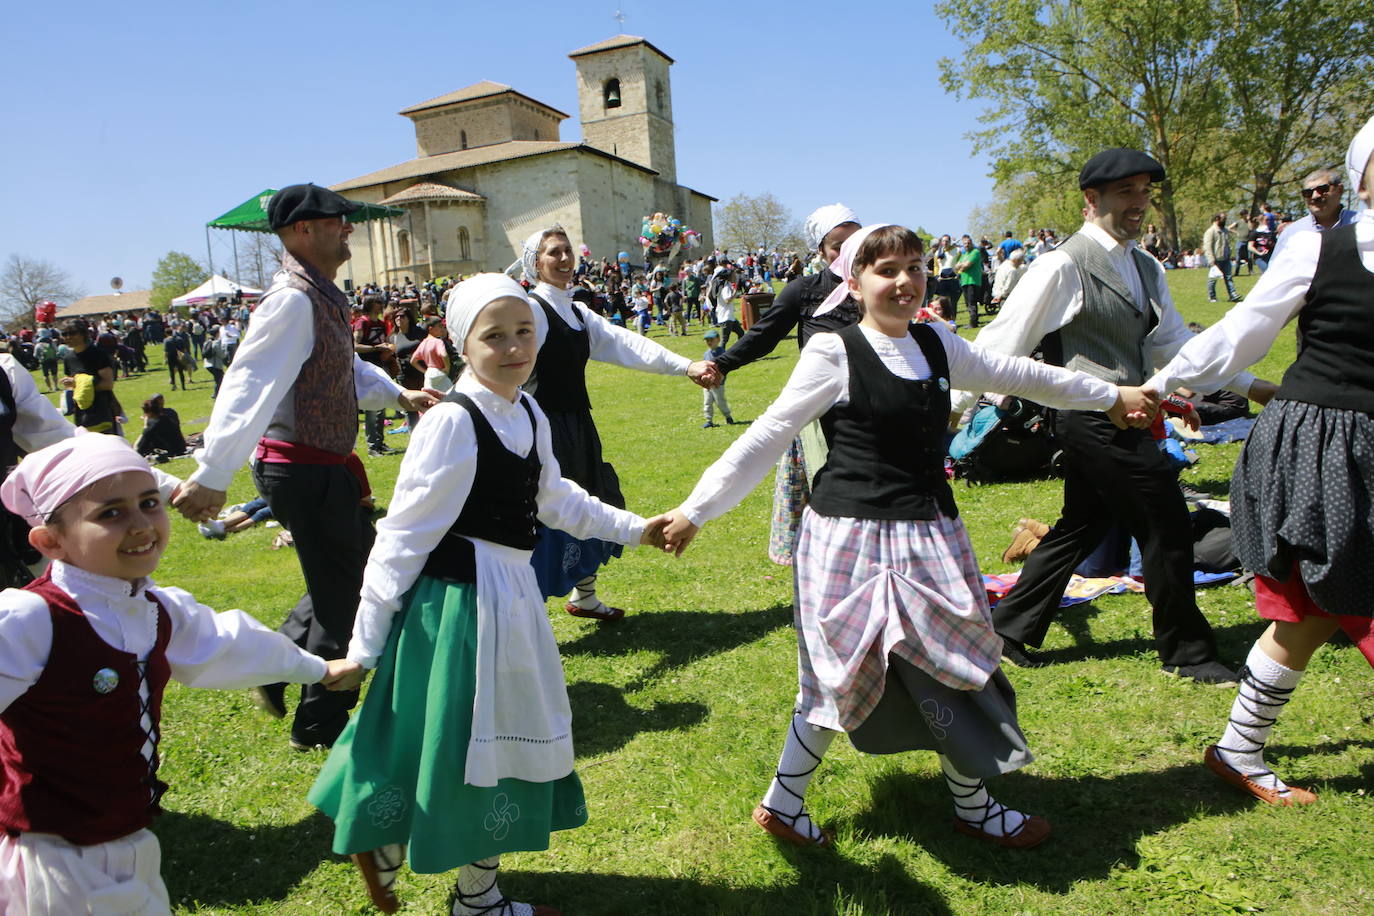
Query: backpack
(1005, 443)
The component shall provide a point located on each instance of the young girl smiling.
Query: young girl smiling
(463, 747)
(895, 638)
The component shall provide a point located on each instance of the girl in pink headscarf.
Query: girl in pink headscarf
(895, 638)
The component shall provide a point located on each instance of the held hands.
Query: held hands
(705, 374)
(197, 503)
(653, 532)
(1134, 407)
(678, 532)
(343, 675)
(418, 401)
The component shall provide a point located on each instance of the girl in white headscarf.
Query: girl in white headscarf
(463, 747)
(562, 561)
(1304, 483)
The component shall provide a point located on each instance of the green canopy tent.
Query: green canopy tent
(251, 216)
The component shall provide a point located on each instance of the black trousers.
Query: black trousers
(971, 296)
(1114, 475)
(319, 505)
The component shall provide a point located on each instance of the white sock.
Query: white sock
(1265, 687)
(478, 894)
(973, 805)
(388, 860)
(801, 753)
(584, 594)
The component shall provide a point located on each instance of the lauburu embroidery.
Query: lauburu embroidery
(937, 717)
(504, 813)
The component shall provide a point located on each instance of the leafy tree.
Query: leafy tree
(25, 282)
(175, 275)
(746, 222)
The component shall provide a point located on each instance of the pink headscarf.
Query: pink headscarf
(50, 476)
(843, 267)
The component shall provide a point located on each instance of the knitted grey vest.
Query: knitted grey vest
(1110, 337)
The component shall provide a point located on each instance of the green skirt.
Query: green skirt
(396, 773)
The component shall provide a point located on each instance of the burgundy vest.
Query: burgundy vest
(326, 403)
(71, 747)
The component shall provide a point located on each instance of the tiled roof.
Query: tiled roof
(431, 190)
(619, 41)
(482, 90)
(132, 301)
(467, 158)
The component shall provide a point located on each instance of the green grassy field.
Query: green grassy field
(680, 710)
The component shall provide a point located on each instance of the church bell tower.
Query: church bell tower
(625, 101)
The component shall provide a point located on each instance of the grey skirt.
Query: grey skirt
(1302, 495)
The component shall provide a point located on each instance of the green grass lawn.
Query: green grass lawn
(681, 708)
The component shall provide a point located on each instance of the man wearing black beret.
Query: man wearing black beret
(1100, 305)
(292, 397)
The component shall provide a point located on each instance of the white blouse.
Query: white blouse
(611, 343)
(433, 485)
(1246, 332)
(821, 380)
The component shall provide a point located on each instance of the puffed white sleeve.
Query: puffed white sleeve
(433, 485)
(818, 382)
(25, 642)
(975, 368)
(611, 343)
(564, 505)
(374, 389)
(229, 649)
(37, 423)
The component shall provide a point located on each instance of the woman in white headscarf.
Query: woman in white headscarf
(1304, 483)
(463, 747)
(562, 562)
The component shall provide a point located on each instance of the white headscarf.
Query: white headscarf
(1357, 157)
(843, 267)
(529, 253)
(476, 293)
(820, 222)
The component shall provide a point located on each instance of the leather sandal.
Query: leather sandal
(1034, 831)
(776, 823)
(1230, 774)
(382, 897)
(602, 612)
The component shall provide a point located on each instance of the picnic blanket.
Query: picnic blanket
(1082, 589)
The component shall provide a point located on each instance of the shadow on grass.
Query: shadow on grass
(1232, 641)
(679, 639)
(1097, 821)
(822, 880)
(603, 721)
(214, 862)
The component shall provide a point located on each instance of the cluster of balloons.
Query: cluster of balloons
(661, 235)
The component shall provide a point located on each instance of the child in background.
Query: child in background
(463, 747)
(85, 654)
(712, 398)
(431, 356)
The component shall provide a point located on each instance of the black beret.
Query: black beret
(1114, 164)
(306, 201)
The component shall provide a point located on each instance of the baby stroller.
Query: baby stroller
(1006, 442)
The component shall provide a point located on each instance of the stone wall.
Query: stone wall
(641, 129)
(485, 122)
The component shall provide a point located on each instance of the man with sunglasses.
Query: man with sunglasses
(1323, 191)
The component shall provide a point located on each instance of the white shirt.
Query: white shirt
(610, 343)
(255, 391)
(1309, 224)
(1050, 294)
(1247, 331)
(725, 303)
(821, 380)
(1008, 275)
(206, 649)
(433, 485)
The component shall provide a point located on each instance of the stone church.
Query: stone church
(490, 169)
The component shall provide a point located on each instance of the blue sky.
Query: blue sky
(131, 125)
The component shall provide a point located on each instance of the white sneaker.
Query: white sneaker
(212, 529)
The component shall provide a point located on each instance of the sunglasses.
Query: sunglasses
(1319, 189)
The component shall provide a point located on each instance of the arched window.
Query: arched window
(462, 139)
(658, 94)
(610, 93)
(464, 244)
(403, 244)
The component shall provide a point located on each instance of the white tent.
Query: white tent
(212, 289)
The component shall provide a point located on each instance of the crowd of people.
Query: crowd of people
(504, 499)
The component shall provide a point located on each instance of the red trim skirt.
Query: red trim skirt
(1290, 602)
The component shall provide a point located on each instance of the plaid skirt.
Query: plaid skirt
(791, 493)
(867, 590)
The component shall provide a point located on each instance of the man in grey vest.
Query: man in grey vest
(1100, 305)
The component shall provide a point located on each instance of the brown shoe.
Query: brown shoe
(1034, 831)
(1022, 543)
(602, 612)
(1039, 529)
(788, 834)
(382, 897)
(1295, 796)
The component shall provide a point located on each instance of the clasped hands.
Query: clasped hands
(670, 532)
(1134, 407)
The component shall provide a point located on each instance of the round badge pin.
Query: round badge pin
(944, 384)
(105, 680)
